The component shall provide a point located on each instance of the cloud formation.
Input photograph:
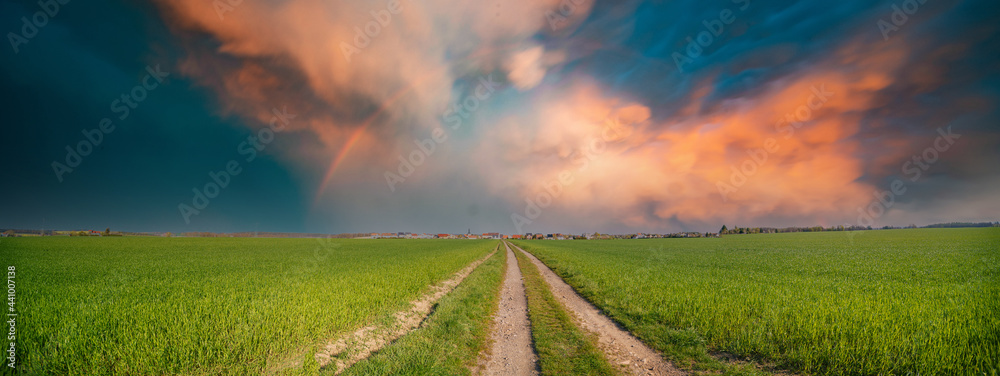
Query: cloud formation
(783, 120)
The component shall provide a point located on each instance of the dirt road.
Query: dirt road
(512, 353)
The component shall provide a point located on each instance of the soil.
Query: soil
(620, 347)
(511, 352)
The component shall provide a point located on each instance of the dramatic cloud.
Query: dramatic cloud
(596, 125)
(788, 151)
(358, 73)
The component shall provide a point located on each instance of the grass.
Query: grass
(450, 340)
(220, 306)
(563, 349)
(890, 302)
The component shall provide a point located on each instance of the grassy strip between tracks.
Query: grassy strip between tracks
(562, 347)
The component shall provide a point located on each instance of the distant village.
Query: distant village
(554, 236)
(487, 235)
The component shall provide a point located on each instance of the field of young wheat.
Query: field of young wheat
(894, 302)
(145, 306)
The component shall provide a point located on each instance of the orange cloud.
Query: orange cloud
(682, 168)
(356, 71)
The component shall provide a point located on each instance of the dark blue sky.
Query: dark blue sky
(328, 170)
(65, 80)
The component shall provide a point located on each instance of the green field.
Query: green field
(892, 302)
(226, 306)
(451, 339)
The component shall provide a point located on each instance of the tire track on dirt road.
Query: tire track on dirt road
(353, 347)
(511, 352)
(619, 346)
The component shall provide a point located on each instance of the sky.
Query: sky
(500, 116)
